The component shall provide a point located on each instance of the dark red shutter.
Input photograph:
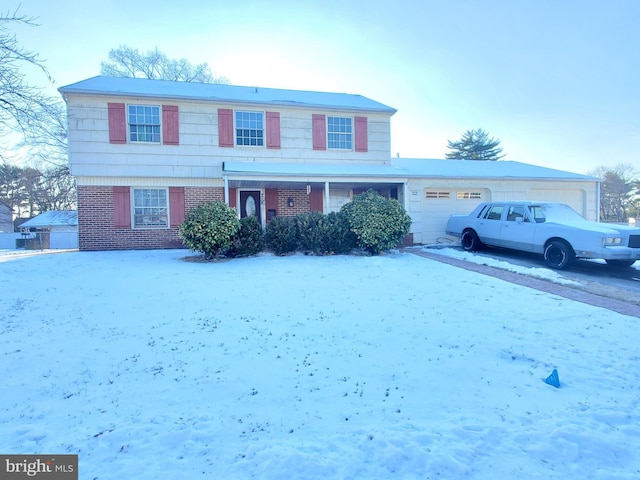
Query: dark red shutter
(117, 123)
(315, 200)
(225, 127)
(170, 127)
(273, 129)
(232, 197)
(176, 205)
(319, 127)
(361, 134)
(121, 207)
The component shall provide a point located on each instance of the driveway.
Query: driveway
(616, 299)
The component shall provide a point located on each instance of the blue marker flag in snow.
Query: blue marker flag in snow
(553, 379)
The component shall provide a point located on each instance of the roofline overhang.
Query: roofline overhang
(64, 91)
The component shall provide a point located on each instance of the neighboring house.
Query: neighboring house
(55, 229)
(6, 220)
(144, 152)
(52, 221)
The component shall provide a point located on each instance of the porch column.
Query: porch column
(405, 197)
(226, 189)
(326, 197)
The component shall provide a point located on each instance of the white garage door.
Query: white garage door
(574, 198)
(438, 204)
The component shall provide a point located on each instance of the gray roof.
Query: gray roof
(432, 168)
(164, 89)
(410, 168)
(53, 218)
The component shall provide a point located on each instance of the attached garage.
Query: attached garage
(436, 189)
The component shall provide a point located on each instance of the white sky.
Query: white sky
(556, 82)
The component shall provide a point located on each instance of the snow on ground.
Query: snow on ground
(347, 367)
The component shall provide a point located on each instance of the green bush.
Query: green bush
(282, 235)
(210, 228)
(379, 224)
(312, 232)
(339, 238)
(249, 240)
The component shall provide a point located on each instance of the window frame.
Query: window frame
(340, 136)
(156, 128)
(261, 139)
(136, 225)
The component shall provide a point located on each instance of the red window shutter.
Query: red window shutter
(225, 127)
(362, 144)
(170, 128)
(121, 207)
(232, 197)
(273, 129)
(315, 200)
(319, 127)
(176, 205)
(117, 123)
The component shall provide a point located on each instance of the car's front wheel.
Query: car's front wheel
(559, 254)
(470, 241)
(620, 263)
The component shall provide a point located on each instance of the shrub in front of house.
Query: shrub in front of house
(312, 232)
(339, 239)
(379, 224)
(249, 240)
(210, 229)
(281, 235)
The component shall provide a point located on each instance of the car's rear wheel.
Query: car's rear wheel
(620, 263)
(559, 254)
(470, 241)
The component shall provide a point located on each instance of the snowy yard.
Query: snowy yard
(148, 366)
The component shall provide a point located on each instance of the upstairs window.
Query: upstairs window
(144, 123)
(150, 208)
(249, 129)
(340, 133)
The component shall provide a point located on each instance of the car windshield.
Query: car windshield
(554, 212)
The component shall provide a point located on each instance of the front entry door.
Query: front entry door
(250, 204)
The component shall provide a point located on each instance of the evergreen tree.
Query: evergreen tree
(475, 145)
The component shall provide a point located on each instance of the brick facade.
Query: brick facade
(96, 230)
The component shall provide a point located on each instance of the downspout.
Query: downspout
(226, 188)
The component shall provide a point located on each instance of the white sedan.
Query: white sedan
(554, 230)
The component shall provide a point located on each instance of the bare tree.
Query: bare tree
(125, 61)
(20, 102)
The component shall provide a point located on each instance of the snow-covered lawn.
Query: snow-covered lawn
(396, 366)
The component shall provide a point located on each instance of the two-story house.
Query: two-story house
(144, 152)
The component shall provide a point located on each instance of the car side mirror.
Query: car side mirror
(519, 219)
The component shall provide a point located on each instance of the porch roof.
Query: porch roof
(311, 170)
(405, 168)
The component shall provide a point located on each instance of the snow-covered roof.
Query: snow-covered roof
(435, 168)
(53, 218)
(142, 87)
(409, 168)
